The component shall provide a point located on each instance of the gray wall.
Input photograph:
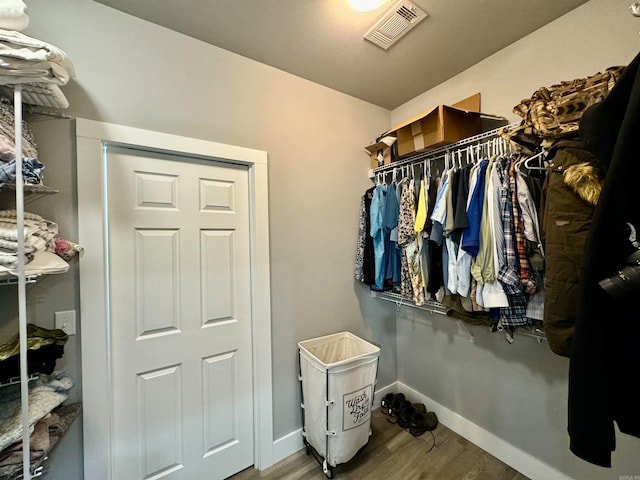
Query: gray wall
(518, 392)
(54, 293)
(134, 73)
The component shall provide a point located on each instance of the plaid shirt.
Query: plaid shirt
(515, 314)
(526, 279)
(508, 274)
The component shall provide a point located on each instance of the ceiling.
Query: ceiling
(322, 40)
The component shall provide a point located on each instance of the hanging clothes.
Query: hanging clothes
(438, 218)
(535, 252)
(482, 270)
(405, 232)
(464, 259)
(365, 262)
(472, 236)
(461, 197)
(377, 233)
(434, 249)
(492, 293)
(408, 241)
(390, 228)
(524, 271)
(515, 314)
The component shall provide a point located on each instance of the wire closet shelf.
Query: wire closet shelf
(440, 151)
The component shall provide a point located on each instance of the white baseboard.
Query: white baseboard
(520, 460)
(292, 442)
(287, 445)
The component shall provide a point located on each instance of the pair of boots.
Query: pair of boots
(412, 416)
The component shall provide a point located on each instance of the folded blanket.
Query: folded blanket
(7, 148)
(43, 94)
(7, 128)
(27, 215)
(39, 442)
(37, 50)
(42, 400)
(8, 246)
(42, 263)
(8, 230)
(39, 234)
(14, 71)
(8, 260)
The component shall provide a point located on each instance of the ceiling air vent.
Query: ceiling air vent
(401, 18)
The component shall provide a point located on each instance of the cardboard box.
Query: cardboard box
(439, 126)
(380, 152)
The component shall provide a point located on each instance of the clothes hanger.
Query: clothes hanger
(528, 165)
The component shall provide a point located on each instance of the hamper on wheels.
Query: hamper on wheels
(338, 376)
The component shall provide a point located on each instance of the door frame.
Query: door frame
(92, 138)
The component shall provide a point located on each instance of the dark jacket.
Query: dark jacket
(566, 218)
(604, 377)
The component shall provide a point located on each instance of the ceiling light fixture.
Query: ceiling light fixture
(366, 5)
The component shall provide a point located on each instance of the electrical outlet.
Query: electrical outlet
(66, 321)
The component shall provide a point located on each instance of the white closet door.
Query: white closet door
(180, 305)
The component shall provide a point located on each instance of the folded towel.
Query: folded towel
(13, 70)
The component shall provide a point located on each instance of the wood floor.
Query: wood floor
(394, 454)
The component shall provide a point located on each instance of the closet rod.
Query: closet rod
(429, 155)
(437, 308)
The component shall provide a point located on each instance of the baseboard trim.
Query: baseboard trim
(520, 460)
(287, 445)
(292, 442)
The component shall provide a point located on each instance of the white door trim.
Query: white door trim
(91, 139)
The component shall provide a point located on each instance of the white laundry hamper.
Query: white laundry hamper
(338, 377)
